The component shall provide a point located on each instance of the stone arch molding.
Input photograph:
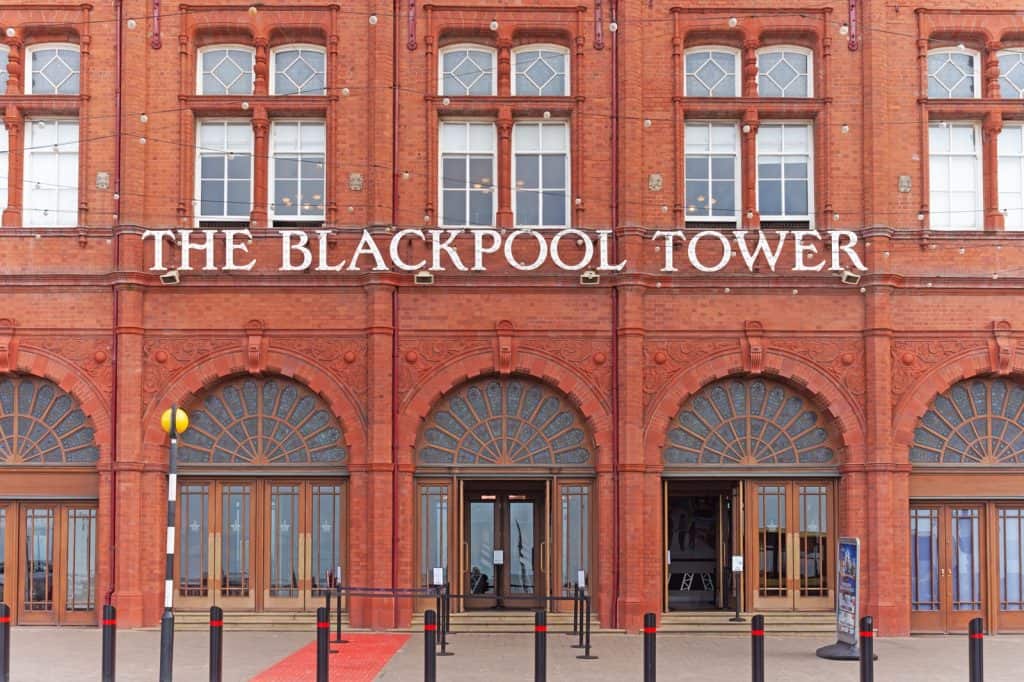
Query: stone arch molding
(750, 420)
(505, 421)
(42, 424)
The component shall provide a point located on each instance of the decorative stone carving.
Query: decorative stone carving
(504, 347)
(1002, 347)
(664, 359)
(835, 357)
(586, 357)
(342, 356)
(88, 354)
(423, 356)
(255, 346)
(914, 358)
(166, 358)
(8, 345)
(752, 346)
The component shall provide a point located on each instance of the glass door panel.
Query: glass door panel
(814, 547)
(80, 565)
(325, 531)
(575, 547)
(235, 551)
(481, 545)
(285, 566)
(3, 556)
(38, 593)
(433, 513)
(965, 561)
(1011, 560)
(521, 565)
(772, 548)
(925, 588)
(194, 542)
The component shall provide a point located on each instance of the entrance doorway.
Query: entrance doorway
(506, 548)
(48, 562)
(254, 545)
(699, 543)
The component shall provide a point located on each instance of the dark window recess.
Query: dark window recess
(786, 225)
(698, 225)
(225, 224)
(299, 224)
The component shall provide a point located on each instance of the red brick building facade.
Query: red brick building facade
(511, 424)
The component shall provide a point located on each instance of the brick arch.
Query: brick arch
(919, 397)
(785, 368)
(415, 409)
(90, 397)
(214, 368)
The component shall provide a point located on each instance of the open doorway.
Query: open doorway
(699, 545)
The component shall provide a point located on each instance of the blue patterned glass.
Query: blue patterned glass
(40, 423)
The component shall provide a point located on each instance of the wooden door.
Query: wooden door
(947, 556)
(1010, 570)
(571, 540)
(8, 552)
(792, 541)
(234, 558)
(283, 545)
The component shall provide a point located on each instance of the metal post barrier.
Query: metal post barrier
(216, 643)
(976, 635)
(579, 629)
(540, 646)
(337, 622)
(650, 647)
(109, 624)
(447, 609)
(167, 646)
(585, 630)
(5, 643)
(323, 642)
(575, 609)
(867, 649)
(757, 649)
(429, 647)
(442, 616)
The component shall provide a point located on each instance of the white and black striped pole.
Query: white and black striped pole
(173, 422)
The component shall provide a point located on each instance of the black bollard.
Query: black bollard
(575, 608)
(976, 635)
(585, 630)
(650, 647)
(578, 606)
(442, 624)
(109, 624)
(540, 646)
(757, 649)
(323, 643)
(447, 609)
(429, 647)
(867, 649)
(337, 622)
(216, 644)
(5, 643)
(167, 646)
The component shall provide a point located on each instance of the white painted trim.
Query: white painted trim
(954, 50)
(810, 174)
(979, 205)
(568, 175)
(196, 198)
(26, 85)
(440, 170)
(271, 193)
(737, 219)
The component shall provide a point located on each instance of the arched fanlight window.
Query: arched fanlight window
(225, 70)
(785, 71)
(41, 423)
(54, 69)
(298, 70)
(954, 73)
(263, 421)
(467, 70)
(743, 421)
(505, 421)
(712, 71)
(976, 421)
(540, 71)
(1011, 73)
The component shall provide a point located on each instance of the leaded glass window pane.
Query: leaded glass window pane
(976, 421)
(1011, 73)
(467, 71)
(951, 74)
(54, 70)
(784, 73)
(226, 71)
(40, 423)
(711, 73)
(541, 72)
(300, 71)
(711, 170)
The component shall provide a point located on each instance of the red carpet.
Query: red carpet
(358, 661)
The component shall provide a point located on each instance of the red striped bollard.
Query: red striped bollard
(867, 649)
(757, 649)
(323, 645)
(109, 624)
(5, 643)
(216, 643)
(650, 647)
(430, 646)
(540, 646)
(976, 635)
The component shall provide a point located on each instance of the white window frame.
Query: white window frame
(198, 199)
(225, 46)
(809, 217)
(467, 46)
(568, 173)
(737, 180)
(6, 51)
(62, 219)
(979, 195)
(440, 172)
(550, 47)
(975, 54)
(309, 47)
(737, 75)
(4, 165)
(1016, 157)
(809, 53)
(27, 64)
(1019, 52)
(272, 191)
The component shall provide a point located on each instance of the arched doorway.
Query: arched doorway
(505, 490)
(48, 493)
(750, 471)
(261, 498)
(967, 508)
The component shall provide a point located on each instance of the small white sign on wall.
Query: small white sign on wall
(737, 563)
(439, 576)
(499, 557)
(581, 578)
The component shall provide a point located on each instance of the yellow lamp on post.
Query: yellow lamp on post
(173, 421)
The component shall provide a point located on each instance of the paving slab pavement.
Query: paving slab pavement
(509, 657)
